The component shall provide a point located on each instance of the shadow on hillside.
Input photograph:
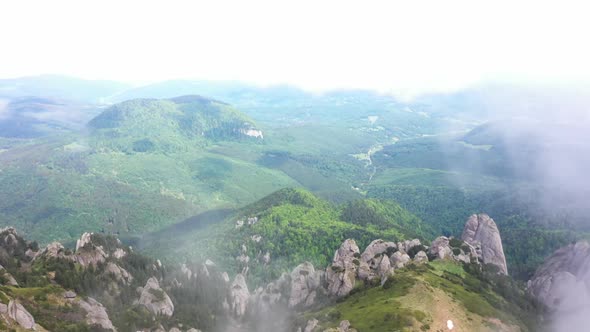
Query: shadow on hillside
(198, 221)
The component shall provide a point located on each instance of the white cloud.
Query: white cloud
(405, 46)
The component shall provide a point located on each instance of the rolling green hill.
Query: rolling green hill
(142, 165)
(291, 225)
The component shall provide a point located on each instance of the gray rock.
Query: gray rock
(193, 330)
(304, 282)
(311, 325)
(481, 232)
(440, 248)
(96, 314)
(20, 315)
(3, 308)
(10, 281)
(175, 329)
(421, 257)
(405, 246)
(562, 283)
(70, 295)
(341, 275)
(155, 299)
(398, 260)
(119, 273)
(239, 296)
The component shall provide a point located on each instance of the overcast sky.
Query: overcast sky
(405, 45)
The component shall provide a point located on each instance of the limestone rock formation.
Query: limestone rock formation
(155, 299)
(440, 248)
(119, 273)
(563, 282)
(341, 275)
(20, 315)
(239, 296)
(421, 257)
(375, 261)
(481, 232)
(96, 314)
(304, 282)
(399, 259)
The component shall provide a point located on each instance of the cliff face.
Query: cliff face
(562, 284)
(481, 232)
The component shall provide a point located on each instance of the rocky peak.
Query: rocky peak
(341, 275)
(155, 299)
(482, 233)
(304, 283)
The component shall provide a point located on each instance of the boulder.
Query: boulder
(398, 260)
(421, 257)
(193, 330)
(96, 314)
(341, 275)
(239, 296)
(482, 233)
(405, 246)
(175, 329)
(304, 282)
(155, 299)
(440, 248)
(20, 315)
(70, 295)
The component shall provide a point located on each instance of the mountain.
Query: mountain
(139, 166)
(103, 285)
(148, 125)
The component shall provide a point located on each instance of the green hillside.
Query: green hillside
(143, 165)
(292, 225)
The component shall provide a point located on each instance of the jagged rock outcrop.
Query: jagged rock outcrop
(20, 315)
(407, 245)
(341, 275)
(53, 250)
(305, 281)
(562, 283)
(119, 273)
(155, 299)
(421, 257)
(96, 314)
(440, 248)
(375, 260)
(239, 296)
(399, 259)
(482, 233)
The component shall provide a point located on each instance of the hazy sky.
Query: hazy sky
(405, 45)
